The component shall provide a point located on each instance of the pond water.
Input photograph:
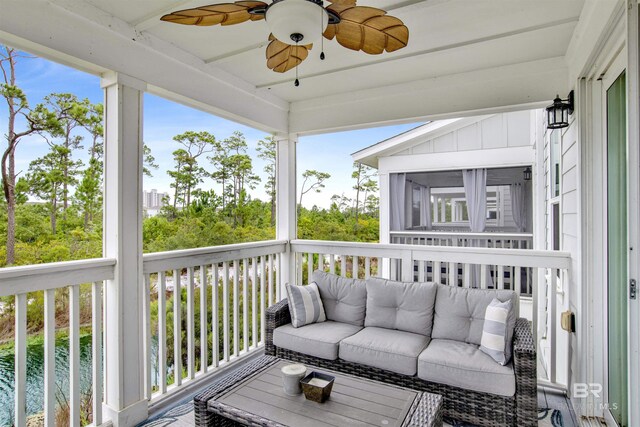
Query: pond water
(35, 377)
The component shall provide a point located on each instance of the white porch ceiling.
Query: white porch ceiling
(464, 57)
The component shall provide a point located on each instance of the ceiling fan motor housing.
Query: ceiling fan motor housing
(300, 21)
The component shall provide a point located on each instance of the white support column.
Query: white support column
(286, 201)
(385, 220)
(124, 400)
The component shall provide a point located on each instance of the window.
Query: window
(555, 154)
(555, 226)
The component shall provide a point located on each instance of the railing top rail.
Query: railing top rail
(483, 235)
(39, 277)
(474, 255)
(162, 261)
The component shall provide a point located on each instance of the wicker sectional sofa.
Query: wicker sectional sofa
(385, 331)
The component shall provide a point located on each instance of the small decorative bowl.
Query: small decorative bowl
(317, 386)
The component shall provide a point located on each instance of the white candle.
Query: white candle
(318, 382)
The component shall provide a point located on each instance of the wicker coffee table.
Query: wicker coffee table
(254, 396)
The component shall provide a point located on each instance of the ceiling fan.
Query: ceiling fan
(304, 22)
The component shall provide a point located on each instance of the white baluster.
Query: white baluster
(518, 280)
(177, 328)
(245, 305)
(96, 352)
(20, 344)
(466, 275)
(278, 284)
(254, 302)
(354, 267)
(146, 334)
(190, 324)
(483, 276)
(270, 280)
(215, 316)
(225, 310)
(74, 356)
(263, 313)
(236, 307)
(50, 357)
(204, 342)
(162, 331)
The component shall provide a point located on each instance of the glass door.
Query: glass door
(616, 131)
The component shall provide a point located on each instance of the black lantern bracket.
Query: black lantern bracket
(558, 113)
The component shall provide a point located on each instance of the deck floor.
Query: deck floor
(181, 415)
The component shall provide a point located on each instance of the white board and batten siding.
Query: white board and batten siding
(490, 132)
(571, 220)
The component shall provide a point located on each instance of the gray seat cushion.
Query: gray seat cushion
(399, 305)
(459, 313)
(388, 349)
(344, 300)
(316, 339)
(463, 365)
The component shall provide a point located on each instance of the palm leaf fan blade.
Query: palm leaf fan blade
(282, 57)
(367, 29)
(222, 13)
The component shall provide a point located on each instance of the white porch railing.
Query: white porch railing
(464, 239)
(238, 281)
(410, 262)
(23, 283)
(512, 277)
(218, 296)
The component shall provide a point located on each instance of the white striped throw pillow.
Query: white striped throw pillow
(494, 331)
(305, 304)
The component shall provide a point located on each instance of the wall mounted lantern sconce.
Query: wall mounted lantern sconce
(527, 173)
(558, 113)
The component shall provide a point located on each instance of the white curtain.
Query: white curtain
(518, 205)
(475, 190)
(397, 193)
(408, 205)
(425, 207)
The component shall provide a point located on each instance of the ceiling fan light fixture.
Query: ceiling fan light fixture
(290, 19)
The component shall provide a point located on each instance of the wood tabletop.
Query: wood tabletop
(353, 401)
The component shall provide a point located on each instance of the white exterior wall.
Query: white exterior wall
(493, 132)
(569, 200)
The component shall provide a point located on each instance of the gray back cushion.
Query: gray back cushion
(406, 306)
(459, 313)
(344, 300)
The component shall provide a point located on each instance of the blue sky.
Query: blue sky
(163, 119)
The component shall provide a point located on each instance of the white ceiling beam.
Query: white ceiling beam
(493, 90)
(425, 52)
(76, 29)
(153, 18)
(237, 52)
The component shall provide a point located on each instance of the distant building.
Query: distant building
(153, 201)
